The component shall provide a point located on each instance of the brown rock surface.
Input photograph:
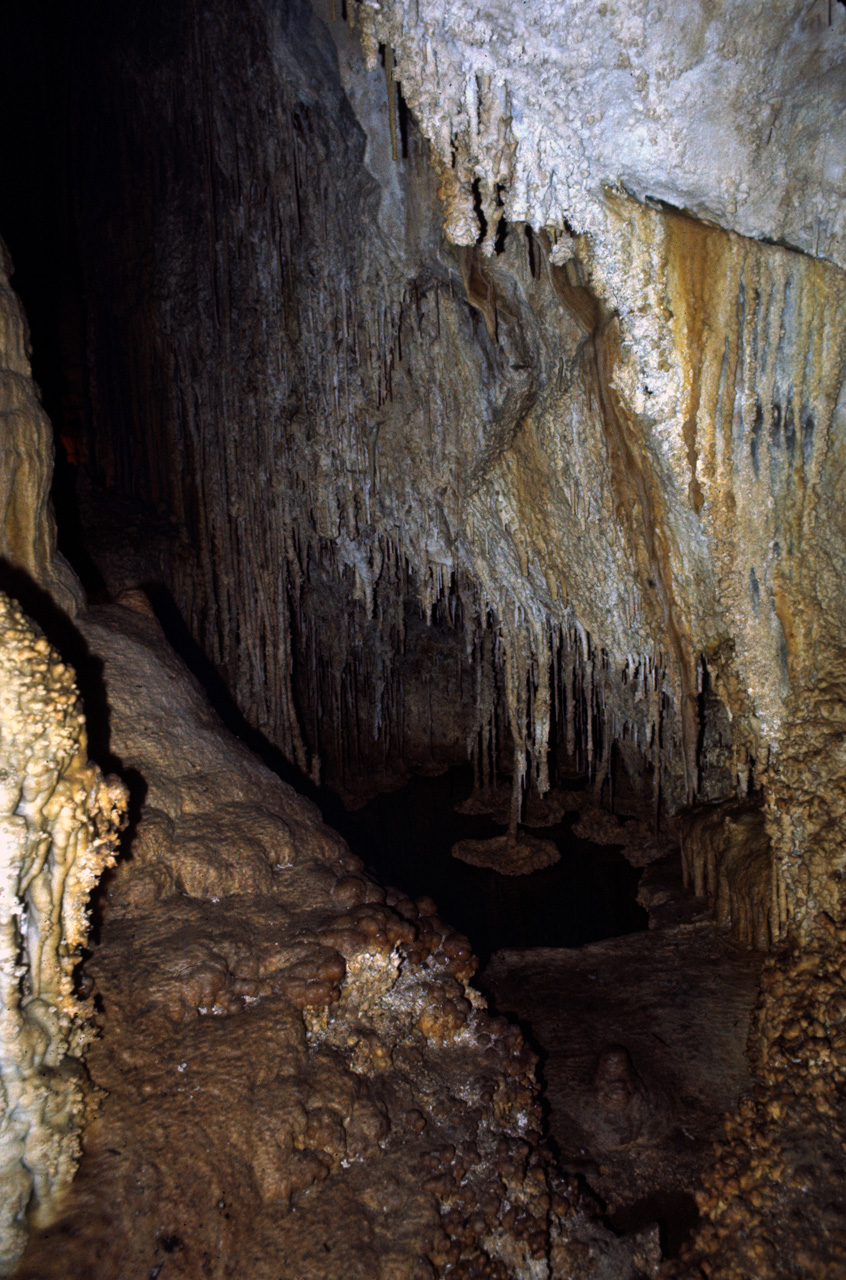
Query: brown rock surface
(726, 856)
(773, 1203)
(645, 1049)
(510, 855)
(27, 526)
(296, 1078)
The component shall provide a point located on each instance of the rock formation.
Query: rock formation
(59, 824)
(297, 1078)
(686, 108)
(592, 439)
(27, 527)
(511, 856)
(471, 386)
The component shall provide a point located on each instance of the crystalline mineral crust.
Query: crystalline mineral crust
(59, 821)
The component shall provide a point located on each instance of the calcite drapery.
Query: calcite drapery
(597, 452)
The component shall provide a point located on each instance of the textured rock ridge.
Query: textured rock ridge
(59, 823)
(27, 527)
(299, 1078)
(730, 112)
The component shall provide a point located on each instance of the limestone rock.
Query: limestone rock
(771, 1202)
(726, 856)
(27, 527)
(511, 855)
(729, 112)
(298, 1073)
(559, 495)
(59, 823)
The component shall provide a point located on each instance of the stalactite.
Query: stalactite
(517, 493)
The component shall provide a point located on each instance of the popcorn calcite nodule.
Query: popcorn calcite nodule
(59, 825)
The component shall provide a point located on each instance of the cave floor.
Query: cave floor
(288, 1079)
(679, 1001)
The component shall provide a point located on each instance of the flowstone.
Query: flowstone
(511, 855)
(59, 824)
(27, 526)
(300, 1079)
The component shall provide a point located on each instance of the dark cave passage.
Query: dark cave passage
(405, 837)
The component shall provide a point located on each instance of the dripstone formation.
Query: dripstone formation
(59, 826)
(564, 471)
(467, 385)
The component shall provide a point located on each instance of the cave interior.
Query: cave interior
(382, 459)
(121, 522)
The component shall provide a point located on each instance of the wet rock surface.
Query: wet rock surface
(644, 1041)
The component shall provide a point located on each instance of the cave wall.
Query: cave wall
(245, 310)
(730, 362)
(28, 557)
(343, 394)
(597, 436)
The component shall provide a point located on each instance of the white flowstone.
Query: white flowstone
(58, 828)
(730, 109)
